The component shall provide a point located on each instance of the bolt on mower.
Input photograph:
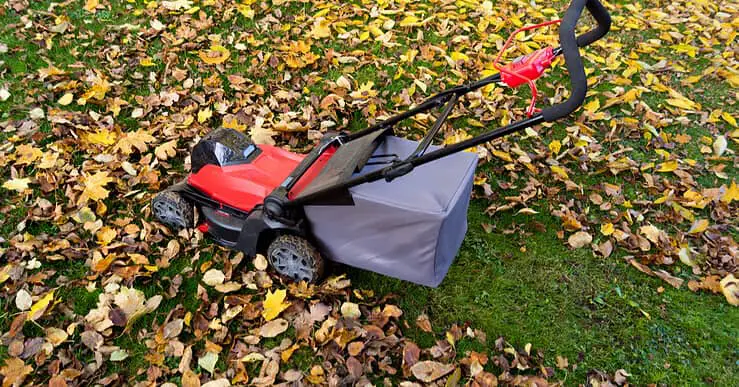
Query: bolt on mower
(367, 199)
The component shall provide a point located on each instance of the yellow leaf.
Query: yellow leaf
(38, 309)
(147, 62)
(667, 166)
(592, 106)
(683, 103)
(684, 212)
(286, 354)
(94, 187)
(105, 235)
(204, 114)
(245, 10)
(450, 338)
(166, 150)
(503, 155)
(101, 137)
(728, 118)
(559, 171)
(66, 99)
(457, 56)
(217, 54)
(731, 194)
(607, 228)
(685, 49)
(274, 304)
(321, 28)
(97, 91)
(27, 154)
(91, 5)
(130, 140)
(17, 184)
(409, 21)
(233, 123)
(698, 226)
(555, 146)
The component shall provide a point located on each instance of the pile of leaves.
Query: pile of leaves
(105, 114)
(246, 329)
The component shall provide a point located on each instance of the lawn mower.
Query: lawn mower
(353, 198)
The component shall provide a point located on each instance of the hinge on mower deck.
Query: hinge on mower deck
(397, 170)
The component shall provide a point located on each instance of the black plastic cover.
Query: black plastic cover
(221, 147)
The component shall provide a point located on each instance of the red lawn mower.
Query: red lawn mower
(353, 198)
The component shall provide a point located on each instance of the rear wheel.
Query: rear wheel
(294, 257)
(171, 209)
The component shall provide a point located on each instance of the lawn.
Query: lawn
(600, 248)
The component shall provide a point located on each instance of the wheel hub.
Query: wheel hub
(169, 213)
(292, 265)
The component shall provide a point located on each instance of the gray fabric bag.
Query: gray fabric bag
(410, 228)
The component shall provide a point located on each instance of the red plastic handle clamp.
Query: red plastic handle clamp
(527, 68)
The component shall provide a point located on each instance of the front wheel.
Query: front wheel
(173, 210)
(294, 257)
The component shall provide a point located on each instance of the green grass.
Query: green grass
(575, 305)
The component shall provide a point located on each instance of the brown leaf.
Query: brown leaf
(190, 379)
(642, 268)
(730, 288)
(670, 279)
(428, 371)
(579, 239)
(14, 371)
(423, 323)
(274, 328)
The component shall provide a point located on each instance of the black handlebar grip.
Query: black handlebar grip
(570, 49)
(602, 17)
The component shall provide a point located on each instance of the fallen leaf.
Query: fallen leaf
(274, 304)
(423, 322)
(274, 328)
(38, 309)
(698, 226)
(66, 99)
(14, 371)
(91, 5)
(119, 355)
(208, 361)
(213, 277)
(350, 310)
(670, 279)
(23, 300)
(730, 289)
(579, 239)
(16, 184)
(428, 371)
(719, 145)
(217, 54)
(321, 28)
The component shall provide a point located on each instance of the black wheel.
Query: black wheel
(294, 257)
(171, 209)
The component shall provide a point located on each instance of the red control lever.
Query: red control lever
(526, 69)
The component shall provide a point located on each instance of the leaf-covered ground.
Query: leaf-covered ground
(601, 248)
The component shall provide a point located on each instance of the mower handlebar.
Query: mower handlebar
(570, 44)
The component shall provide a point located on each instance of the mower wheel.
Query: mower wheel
(171, 209)
(294, 257)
